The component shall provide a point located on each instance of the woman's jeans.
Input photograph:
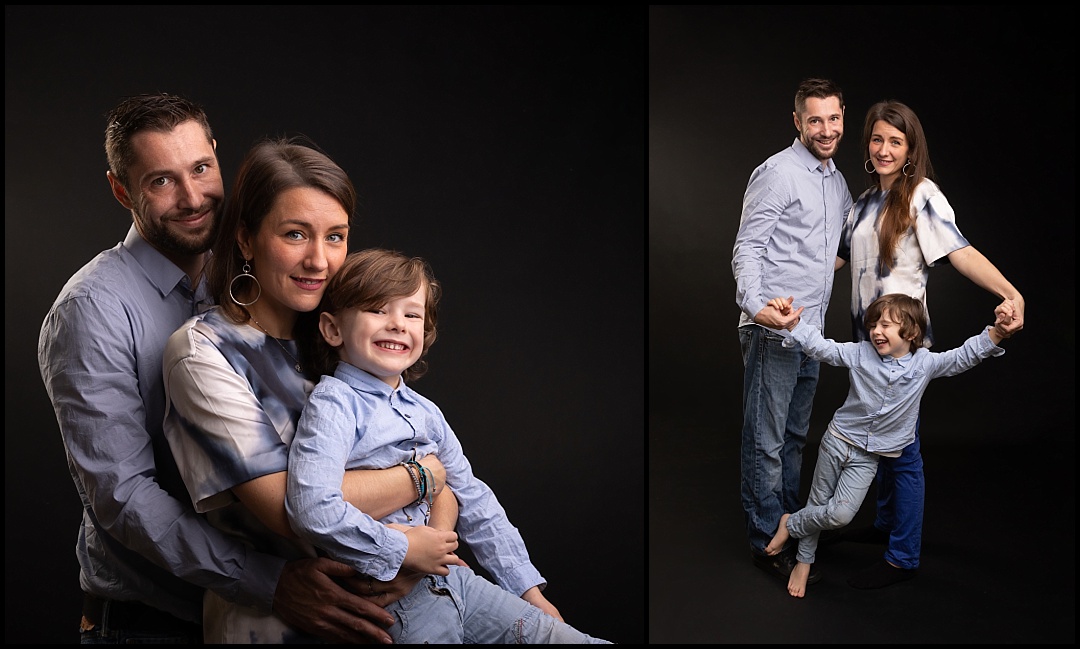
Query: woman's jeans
(901, 492)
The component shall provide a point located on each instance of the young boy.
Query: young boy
(889, 374)
(378, 319)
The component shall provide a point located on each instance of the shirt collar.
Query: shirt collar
(366, 382)
(902, 361)
(810, 160)
(164, 274)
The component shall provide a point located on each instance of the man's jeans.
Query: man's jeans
(778, 393)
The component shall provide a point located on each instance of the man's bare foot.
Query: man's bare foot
(778, 541)
(796, 585)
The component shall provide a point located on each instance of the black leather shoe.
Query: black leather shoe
(782, 564)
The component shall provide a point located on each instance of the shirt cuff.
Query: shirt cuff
(258, 583)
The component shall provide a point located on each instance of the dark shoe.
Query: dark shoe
(865, 534)
(782, 564)
(880, 575)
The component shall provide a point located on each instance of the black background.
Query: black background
(994, 87)
(505, 145)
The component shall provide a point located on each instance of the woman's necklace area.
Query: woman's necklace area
(283, 348)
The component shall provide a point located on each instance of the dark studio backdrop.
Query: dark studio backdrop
(994, 87)
(505, 145)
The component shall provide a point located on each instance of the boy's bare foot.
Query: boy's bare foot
(777, 543)
(796, 585)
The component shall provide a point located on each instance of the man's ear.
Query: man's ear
(795, 117)
(118, 190)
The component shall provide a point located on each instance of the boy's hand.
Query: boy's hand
(1004, 320)
(1008, 318)
(782, 305)
(430, 550)
(537, 599)
(778, 314)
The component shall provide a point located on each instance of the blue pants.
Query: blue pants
(778, 393)
(464, 608)
(901, 487)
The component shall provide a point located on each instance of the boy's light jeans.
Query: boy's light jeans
(464, 608)
(842, 477)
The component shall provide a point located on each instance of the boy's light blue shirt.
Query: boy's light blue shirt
(882, 405)
(354, 420)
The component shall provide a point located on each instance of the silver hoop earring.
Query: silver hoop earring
(245, 272)
(871, 169)
(904, 170)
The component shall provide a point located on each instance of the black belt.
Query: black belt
(114, 614)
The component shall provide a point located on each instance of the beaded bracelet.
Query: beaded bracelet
(424, 481)
(429, 482)
(429, 494)
(422, 487)
(415, 478)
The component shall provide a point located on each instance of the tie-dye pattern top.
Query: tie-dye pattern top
(233, 399)
(926, 244)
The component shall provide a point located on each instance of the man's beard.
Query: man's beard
(168, 240)
(815, 148)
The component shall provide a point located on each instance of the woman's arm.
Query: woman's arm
(265, 497)
(973, 265)
(444, 511)
(376, 492)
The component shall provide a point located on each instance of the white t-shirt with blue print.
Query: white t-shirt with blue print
(926, 244)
